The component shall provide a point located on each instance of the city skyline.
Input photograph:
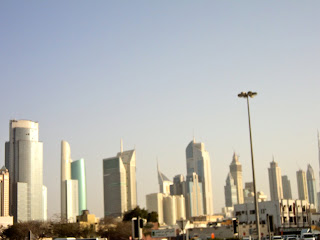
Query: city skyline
(157, 75)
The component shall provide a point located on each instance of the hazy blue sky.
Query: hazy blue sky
(152, 72)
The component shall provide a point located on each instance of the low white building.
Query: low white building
(282, 214)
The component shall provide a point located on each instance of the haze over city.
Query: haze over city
(157, 74)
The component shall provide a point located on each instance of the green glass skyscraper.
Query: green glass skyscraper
(78, 172)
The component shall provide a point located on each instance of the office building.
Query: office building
(193, 196)
(164, 182)
(198, 161)
(275, 181)
(24, 160)
(312, 188)
(286, 187)
(177, 187)
(230, 192)
(4, 191)
(154, 202)
(236, 173)
(302, 185)
(119, 183)
(78, 173)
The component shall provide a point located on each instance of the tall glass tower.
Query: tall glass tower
(198, 161)
(78, 172)
(24, 160)
(119, 183)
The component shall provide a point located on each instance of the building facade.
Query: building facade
(78, 173)
(24, 160)
(198, 161)
(230, 192)
(275, 181)
(236, 173)
(302, 185)
(286, 187)
(119, 183)
(164, 182)
(73, 185)
(312, 188)
(4, 194)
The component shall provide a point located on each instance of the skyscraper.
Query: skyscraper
(4, 192)
(119, 183)
(302, 185)
(312, 189)
(230, 192)
(164, 182)
(73, 185)
(286, 186)
(275, 182)
(236, 172)
(193, 196)
(24, 160)
(78, 172)
(198, 161)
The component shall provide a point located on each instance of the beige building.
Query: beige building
(275, 181)
(4, 183)
(170, 208)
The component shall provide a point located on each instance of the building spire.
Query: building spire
(121, 145)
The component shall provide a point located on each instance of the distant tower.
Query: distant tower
(4, 194)
(275, 182)
(24, 160)
(302, 185)
(311, 183)
(286, 186)
(119, 183)
(164, 182)
(236, 172)
(193, 196)
(230, 192)
(198, 161)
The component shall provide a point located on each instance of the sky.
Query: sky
(157, 73)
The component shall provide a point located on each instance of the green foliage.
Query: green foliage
(138, 212)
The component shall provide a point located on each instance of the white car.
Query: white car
(277, 237)
(307, 236)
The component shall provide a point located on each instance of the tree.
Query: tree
(138, 212)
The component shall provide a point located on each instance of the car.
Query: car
(307, 236)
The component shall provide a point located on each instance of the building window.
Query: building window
(238, 213)
(252, 211)
(263, 211)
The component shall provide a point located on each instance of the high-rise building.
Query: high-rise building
(154, 202)
(312, 189)
(73, 185)
(4, 191)
(24, 160)
(236, 173)
(286, 186)
(230, 192)
(302, 185)
(275, 182)
(193, 196)
(164, 182)
(119, 183)
(198, 161)
(78, 172)
(177, 187)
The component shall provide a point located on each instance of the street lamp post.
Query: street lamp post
(247, 95)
